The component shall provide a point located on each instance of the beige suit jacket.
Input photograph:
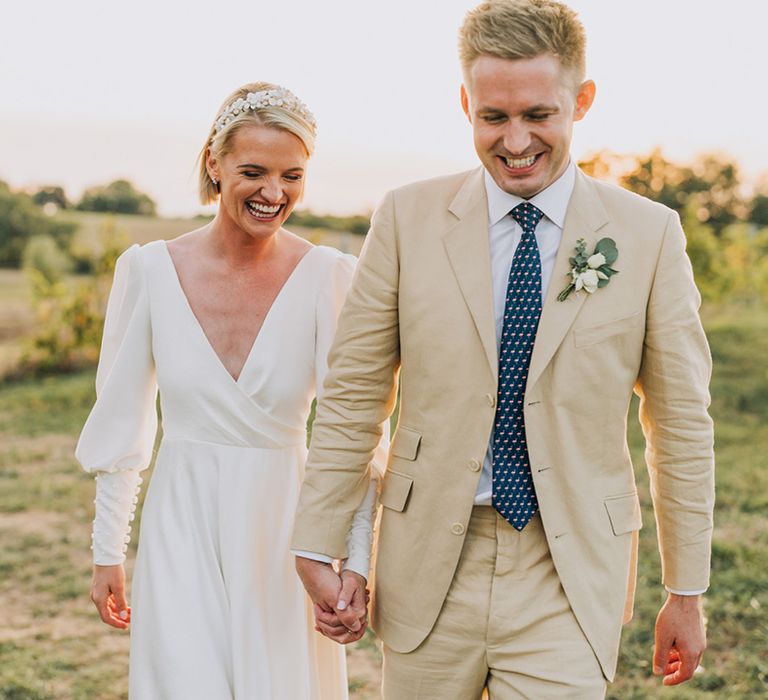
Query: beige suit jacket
(421, 305)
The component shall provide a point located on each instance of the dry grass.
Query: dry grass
(53, 646)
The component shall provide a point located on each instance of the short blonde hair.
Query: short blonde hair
(524, 29)
(219, 142)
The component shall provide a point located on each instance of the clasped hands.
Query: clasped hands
(340, 600)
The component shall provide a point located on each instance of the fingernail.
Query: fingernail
(123, 614)
(342, 605)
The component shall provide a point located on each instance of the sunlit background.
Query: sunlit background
(92, 91)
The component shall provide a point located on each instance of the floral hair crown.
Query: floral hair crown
(277, 97)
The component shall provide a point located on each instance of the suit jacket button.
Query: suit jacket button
(474, 465)
(491, 400)
(457, 529)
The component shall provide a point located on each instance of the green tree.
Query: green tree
(118, 197)
(711, 184)
(758, 213)
(715, 185)
(51, 194)
(20, 220)
(658, 179)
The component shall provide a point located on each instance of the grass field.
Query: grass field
(53, 646)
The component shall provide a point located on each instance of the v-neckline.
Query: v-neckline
(196, 320)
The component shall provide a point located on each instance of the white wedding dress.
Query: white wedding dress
(218, 611)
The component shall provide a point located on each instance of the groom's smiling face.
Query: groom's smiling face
(522, 113)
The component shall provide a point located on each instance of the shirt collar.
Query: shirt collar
(553, 200)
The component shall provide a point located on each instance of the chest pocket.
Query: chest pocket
(602, 331)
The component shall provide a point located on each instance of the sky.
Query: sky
(93, 91)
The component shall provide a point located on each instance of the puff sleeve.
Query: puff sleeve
(117, 439)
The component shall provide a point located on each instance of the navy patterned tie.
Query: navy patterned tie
(513, 493)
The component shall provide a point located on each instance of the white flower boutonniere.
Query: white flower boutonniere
(591, 272)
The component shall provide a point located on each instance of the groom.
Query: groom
(507, 543)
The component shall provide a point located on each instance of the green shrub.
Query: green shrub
(20, 220)
(43, 255)
(70, 316)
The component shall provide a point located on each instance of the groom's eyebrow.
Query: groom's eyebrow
(534, 109)
(552, 109)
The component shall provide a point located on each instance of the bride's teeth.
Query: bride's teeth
(257, 208)
(520, 162)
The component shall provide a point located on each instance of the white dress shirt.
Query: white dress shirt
(504, 234)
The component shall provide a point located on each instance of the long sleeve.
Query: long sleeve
(674, 397)
(360, 536)
(117, 439)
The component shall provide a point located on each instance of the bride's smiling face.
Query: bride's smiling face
(261, 178)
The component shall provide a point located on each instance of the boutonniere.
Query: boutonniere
(591, 272)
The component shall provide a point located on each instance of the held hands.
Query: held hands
(108, 595)
(340, 601)
(680, 638)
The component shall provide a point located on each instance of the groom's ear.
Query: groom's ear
(584, 99)
(465, 102)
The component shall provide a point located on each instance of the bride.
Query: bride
(232, 322)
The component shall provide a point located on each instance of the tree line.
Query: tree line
(118, 197)
(726, 226)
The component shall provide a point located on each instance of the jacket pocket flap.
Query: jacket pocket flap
(595, 334)
(395, 491)
(624, 513)
(406, 443)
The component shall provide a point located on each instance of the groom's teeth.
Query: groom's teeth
(520, 162)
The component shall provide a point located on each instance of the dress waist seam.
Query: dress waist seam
(169, 440)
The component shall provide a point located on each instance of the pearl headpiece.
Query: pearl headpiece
(277, 97)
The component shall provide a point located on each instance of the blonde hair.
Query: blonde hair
(219, 141)
(524, 29)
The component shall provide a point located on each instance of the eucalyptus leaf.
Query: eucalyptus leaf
(602, 283)
(607, 246)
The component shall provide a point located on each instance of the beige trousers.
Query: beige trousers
(506, 629)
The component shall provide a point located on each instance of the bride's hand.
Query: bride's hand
(108, 595)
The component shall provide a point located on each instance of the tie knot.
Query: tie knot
(527, 215)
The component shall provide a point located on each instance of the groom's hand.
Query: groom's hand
(321, 582)
(352, 606)
(349, 622)
(680, 638)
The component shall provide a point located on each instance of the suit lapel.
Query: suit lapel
(466, 244)
(585, 216)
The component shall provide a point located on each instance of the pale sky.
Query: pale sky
(92, 91)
